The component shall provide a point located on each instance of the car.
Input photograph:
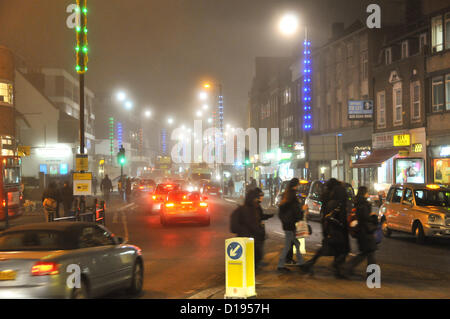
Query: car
(212, 188)
(144, 186)
(301, 193)
(159, 195)
(418, 209)
(313, 198)
(37, 261)
(184, 205)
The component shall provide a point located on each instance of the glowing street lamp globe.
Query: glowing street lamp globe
(288, 24)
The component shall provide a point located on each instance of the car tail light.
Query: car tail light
(44, 268)
(186, 203)
(141, 187)
(170, 205)
(4, 203)
(154, 197)
(203, 204)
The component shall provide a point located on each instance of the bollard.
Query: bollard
(240, 268)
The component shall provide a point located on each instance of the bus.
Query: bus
(10, 185)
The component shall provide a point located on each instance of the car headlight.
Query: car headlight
(435, 219)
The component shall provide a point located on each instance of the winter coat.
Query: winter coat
(250, 218)
(106, 185)
(335, 232)
(367, 225)
(67, 195)
(290, 212)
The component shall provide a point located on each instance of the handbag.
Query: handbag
(302, 229)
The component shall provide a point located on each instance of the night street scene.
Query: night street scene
(225, 155)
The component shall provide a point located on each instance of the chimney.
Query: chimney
(337, 29)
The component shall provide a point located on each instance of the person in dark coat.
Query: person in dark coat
(53, 193)
(67, 198)
(335, 241)
(106, 187)
(231, 187)
(252, 219)
(128, 190)
(367, 225)
(290, 212)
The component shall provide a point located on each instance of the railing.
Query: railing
(95, 213)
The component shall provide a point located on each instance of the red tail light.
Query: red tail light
(203, 204)
(4, 203)
(141, 187)
(170, 204)
(45, 268)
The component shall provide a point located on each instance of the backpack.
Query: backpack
(352, 223)
(235, 222)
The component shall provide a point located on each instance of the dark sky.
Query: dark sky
(160, 51)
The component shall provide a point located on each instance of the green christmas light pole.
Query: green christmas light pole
(82, 59)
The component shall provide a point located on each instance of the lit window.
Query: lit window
(436, 34)
(381, 109)
(397, 99)
(6, 93)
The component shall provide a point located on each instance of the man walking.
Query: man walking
(106, 187)
(67, 198)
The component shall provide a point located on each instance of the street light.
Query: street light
(128, 105)
(148, 114)
(121, 96)
(199, 114)
(288, 24)
(170, 121)
(205, 106)
(203, 96)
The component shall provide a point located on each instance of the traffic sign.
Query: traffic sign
(234, 250)
(82, 163)
(82, 184)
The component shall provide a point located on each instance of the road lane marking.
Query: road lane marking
(125, 226)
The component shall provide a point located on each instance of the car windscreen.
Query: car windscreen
(147, 182)
(164, 189)
(33, 240)
(427, 197)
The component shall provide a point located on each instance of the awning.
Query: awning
(376, 158)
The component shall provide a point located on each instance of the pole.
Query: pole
(6, 211)
(81, 113)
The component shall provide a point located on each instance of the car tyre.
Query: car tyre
(386, 231)
(419, 234)
(82, 292)
(137, 279)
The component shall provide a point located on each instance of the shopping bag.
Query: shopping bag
(302, 229)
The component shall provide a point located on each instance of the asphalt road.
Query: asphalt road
(186, 259)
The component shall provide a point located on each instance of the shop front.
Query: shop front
(440, 164)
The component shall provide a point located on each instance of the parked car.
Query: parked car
(302, 191)
(314, 194)
(418, 209)
(36, 261)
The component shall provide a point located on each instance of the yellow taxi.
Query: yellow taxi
(419, 209)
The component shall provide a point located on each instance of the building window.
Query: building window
(364, 65)
(405, 52)
(415, 100)
(287, 96)
(6, 91)
(397, 99)
(436, 34)
(388, 55)
(381, 110)
(447, 92)
(422, 42)
(438, 93)
(447, 31)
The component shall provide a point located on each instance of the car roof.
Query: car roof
(56, 226)
(420, 186)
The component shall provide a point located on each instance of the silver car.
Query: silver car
(66, 260)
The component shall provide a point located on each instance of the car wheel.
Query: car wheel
(137, 279)
(386, 231)
(419, 234)
(163, 220)
(82, 292)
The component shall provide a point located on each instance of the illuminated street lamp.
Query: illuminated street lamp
(121, 96)
(170, 121)
(148, 114)
(128, 105)
(199, 114)
(288, 24)
(205, 106)
(203, 96)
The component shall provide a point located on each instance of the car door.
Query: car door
(392, 209)
(406, 213)
(312, 200)
(98, 252)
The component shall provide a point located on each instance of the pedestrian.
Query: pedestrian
(67, 198)
(250, 222)
(106, 187)
(94, 185)
(290, 212)
(50, 201)
(365, 233)
(335, 240)
(252, 183)
(120, 187)
(231, 187)
(270, 186)
(128, 190)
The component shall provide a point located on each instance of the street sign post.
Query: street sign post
(82, 163)
(240, 268)
(82, 184)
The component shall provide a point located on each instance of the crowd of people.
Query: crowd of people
(334, 223)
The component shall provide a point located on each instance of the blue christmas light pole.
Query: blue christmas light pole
(307, 117)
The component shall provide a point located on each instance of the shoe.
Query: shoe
(283, 269)
(290, 262)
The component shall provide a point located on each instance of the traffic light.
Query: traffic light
(247, 158)
(82, 43)
(121, 159)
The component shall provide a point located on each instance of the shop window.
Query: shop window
(381, 109)
(438, 93)
(415, 100)
(436, 34)
(43, 168)
(64, 169)
(6, 93)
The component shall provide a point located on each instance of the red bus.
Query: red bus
(10, 185)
